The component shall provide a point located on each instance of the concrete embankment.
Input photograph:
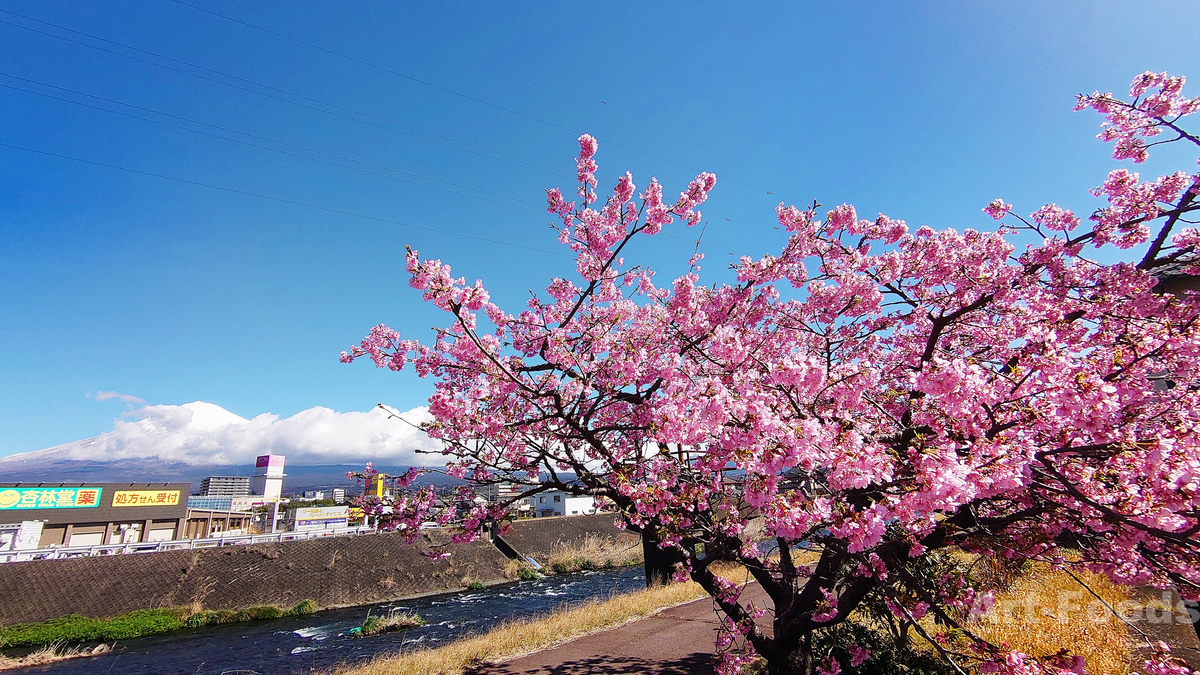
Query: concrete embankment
(333, 572)
(536, 538)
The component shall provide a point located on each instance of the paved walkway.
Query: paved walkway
(676, 641)
(1171, 627)
(679, 641)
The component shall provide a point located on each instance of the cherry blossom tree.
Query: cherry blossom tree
(865, 400)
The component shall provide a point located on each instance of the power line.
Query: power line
(291, 202)
(262, 138)
(677, 126)
(552, 169)
(379, 67)
(279, 199)
(445, 89)
(539, 208)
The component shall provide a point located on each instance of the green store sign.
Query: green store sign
(49, 498)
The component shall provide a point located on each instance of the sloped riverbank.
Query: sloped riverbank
(318, 642)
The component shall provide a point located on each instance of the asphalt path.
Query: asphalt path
(680, 641)
(676, 641)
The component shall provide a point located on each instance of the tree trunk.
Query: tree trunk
(797, 662)
(660, 564)
(807, 664)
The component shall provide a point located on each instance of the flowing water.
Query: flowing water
(318, 641)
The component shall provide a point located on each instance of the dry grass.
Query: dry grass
(1099, 637)
(50, 654)
(1043, 611)
(528, 636)
(374, 625)
(595, 552)
(519, 569)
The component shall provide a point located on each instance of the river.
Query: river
(317, 642)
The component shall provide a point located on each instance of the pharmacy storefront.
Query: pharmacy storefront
(87, 514)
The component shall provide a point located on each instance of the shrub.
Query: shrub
(374, 625)
(520, 570)
(888, 656)
(78, 628)
(301, 608)
(371, 626)
(267, 612)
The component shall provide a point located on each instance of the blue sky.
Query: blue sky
(174, 292)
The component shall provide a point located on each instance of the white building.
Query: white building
(20, 536)
(268, 477)
(225, 486)
(559, 503)
(234, 504)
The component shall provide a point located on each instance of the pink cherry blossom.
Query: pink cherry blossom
(829, 666)
(586, 168)
(1163, 662)
(865, 393)
(997, 209)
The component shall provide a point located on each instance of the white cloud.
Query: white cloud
(129, 400)
(204, 433)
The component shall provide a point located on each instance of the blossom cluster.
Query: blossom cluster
(870, 392)
(1158, 103)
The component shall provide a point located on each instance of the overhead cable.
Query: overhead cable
(549, 168)
(448, 90)
(280, 199)
(262, 138)
(541, 166)
(291, 202)
(533, 206)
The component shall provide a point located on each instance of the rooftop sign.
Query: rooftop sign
(145, 498)
(49, 498)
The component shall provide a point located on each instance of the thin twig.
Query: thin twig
(1108, 606)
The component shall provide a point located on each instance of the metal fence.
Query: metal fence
(59, 552)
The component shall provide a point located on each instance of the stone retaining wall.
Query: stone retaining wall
(333, 572)
(535, 537)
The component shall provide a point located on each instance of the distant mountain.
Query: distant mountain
(55, 465)
(303, 478)
(185, 443)
(158, 443)
(52, 466)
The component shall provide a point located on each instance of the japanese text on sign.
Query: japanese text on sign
(49, 498)
(145, 498)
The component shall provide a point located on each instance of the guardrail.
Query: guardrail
(59, 552)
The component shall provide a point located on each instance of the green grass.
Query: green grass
(374, 625)
(256, 613)
(303, 607)
(572, 565)
(77, 628)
